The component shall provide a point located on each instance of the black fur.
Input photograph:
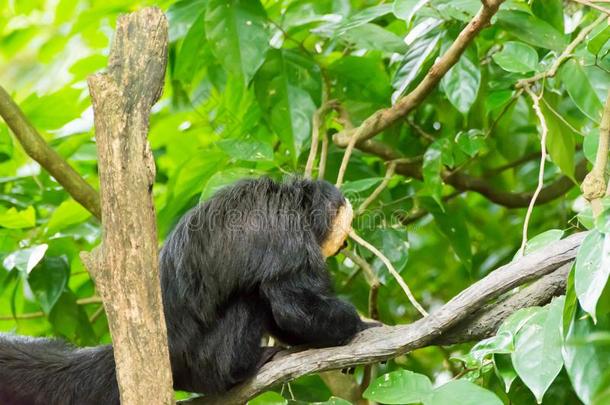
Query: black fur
(246, 262)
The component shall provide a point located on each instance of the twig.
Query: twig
(565, 55)
(40, 314)
(384, 118)
(392, 270)
(388, 176)
(371, 278)
(544, 131)
(35, 146)
(593, 5)
(594, 185)
(317, 126)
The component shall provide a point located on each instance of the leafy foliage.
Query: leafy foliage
(244, 82)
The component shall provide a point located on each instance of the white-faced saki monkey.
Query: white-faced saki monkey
(249, 261)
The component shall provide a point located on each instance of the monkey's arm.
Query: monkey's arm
(304, 311)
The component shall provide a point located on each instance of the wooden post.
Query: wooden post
(125, 266)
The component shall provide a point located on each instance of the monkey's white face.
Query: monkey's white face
(339, 230)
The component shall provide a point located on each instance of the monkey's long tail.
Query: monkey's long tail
(36, 371)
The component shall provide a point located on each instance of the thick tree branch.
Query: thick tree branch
(486, 321)
(35, 146)
(464, 182)
(125, 267)
(383, 343)
(383, 118)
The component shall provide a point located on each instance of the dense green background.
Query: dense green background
(244, 80)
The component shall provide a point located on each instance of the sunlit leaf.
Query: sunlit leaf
(592, 270)
(580, 89)
(462, 392)
(48, 280)
(238, 34)
(15, 219)
(532, 30)
(537, 356)
(517, 57)
(461, 83)
(399, 387)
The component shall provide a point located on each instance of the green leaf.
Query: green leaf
(224, 178)
(452, 225)
(333, 401)
(406, 9)
(470, 142)
(250, 150)
(580, 89)
(590, 145)
(182, 15)
(462, 392)
(501, 343)
(374, 37)
(70, 320)
(359, 186)
(399, 387)
(550, 11)
(537, 356)
(269, 398)
(362, 17)
(290, 106)
(68, 213)
(462, 81)
(503, 366)
(596, 43)
(237, 33)
(532, 30)
(431, 170)
(602, 222)
(517, 57)
(26, 259)
(586, 364)
(353, 75)
(48, 281)
(560, 140)
(517, 320)
(542, 240)
(592, 270)
(14, 219)
(497, 99)
(419, 53)
(54, 110)
(192, 55)
(394, 243)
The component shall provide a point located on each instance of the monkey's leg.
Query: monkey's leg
(304, 311)
(231, 351)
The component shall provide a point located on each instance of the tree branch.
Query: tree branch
(486, 321)
(383, 118)
(125, 267)
(378, 344)
(465, 182)
(594, 186)
(35, 146)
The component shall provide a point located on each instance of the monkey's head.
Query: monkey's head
(330, 215)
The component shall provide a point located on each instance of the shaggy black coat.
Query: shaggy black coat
(245, 262)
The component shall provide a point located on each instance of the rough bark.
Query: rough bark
(125, 266)
(378, 344)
